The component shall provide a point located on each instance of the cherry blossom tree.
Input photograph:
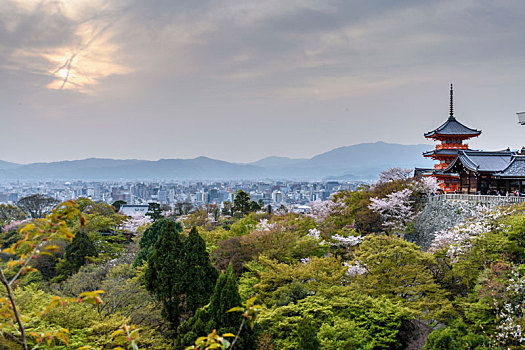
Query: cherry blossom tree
(395, 209)
(457, 239)
(394, 174)
(321, 210)
(134, 222)
(427, 185)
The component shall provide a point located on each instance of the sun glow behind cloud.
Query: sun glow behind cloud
(82, 66)
(88, 56)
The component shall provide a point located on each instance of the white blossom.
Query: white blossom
(321, 210)
(314, 233)
(395, 209)
(355, 269)
(305, 261)
(348, 241)
(427, 185)
(458, 238)
(394, 174)
(264, 225)
(134, 222)
(511, 313)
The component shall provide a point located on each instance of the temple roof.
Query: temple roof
(452, 127)
(483, 161)
(433, 172)
(441, 152)
(516, 168)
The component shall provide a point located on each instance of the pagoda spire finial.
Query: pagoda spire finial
(451, 116)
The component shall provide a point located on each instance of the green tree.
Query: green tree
(37, 205)
(149, 237)
(76, 253)
(9, 213)
(199, 276)
(341, 318)
(163, 273)
(308, 336)
(154, 211)
(215, 315)
(254, 206)
(400, 271)
(179, 273)
(118, 204)
(84, 203)
(227, 208)
(242, 203)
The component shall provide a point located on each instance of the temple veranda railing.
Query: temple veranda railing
(474, 198)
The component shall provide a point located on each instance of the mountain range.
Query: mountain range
(357, 162)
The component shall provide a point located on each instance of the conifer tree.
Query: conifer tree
(241, 203)
(163, 273)
(154, 211)
(215, 315)
(76, 253)
(148, 239)
(180, 274)
(199, 275)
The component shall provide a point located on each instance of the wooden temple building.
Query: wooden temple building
(462, 170)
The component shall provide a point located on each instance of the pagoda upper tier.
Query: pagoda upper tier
(452, 129)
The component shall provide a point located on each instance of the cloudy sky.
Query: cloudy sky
(241, 80)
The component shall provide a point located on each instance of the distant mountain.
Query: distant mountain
(7, 165)
(277, 162)
(363, 161)
(109, 169)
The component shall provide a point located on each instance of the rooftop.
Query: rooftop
(483, 161)
(452, 127)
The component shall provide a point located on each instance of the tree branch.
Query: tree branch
(26, 262)
(238, 334)
(15, 310)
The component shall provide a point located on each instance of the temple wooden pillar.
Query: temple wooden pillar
(469, 184)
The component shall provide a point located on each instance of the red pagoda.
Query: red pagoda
(451, 134)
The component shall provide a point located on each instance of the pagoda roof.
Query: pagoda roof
(441, 152)
(483, 161)
(516, 168)
(434, 172)
(452, 128)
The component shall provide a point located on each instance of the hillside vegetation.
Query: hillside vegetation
(349, 275)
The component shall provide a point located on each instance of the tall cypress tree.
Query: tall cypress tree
(163, 273)
(199, 275)
(215, 315)
(148, 239)
(180, 274)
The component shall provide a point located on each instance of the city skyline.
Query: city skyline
(240, 81)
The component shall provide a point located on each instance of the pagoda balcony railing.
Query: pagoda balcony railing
(475, 198)
(441, 166)
(452, 146)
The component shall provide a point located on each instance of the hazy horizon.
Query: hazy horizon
(240, 81)
(226, 160)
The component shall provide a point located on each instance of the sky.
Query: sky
(242, 80)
